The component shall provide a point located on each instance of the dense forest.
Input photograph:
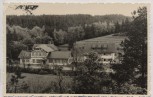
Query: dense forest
(25, 30)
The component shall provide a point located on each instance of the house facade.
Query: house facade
(38, 55)
(108, 48)
(25, 57)
(47, 54)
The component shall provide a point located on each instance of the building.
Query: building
(59, 58)
(25, 57)
(38, 53)
(108, 48)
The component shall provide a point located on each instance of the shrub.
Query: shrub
(68, 73)
(43, 72)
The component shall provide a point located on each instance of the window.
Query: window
(55, 61)
(32, 53)
(33, 60)
(64, 61)
(27, 60)
(23, 60)
(104, 59)
(39, 53)
(83, 47)
(39, 60)
(36, 54)
(50, 60)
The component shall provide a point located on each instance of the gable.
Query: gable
(25, 54)
(46, 47)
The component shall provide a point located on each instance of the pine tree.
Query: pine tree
(135, 47)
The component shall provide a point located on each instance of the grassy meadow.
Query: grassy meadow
(42, 83)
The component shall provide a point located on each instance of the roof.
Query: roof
(25, 54)
(110, 48)
(60, 54)
(46, 47)
(104, 44)
(105, 39)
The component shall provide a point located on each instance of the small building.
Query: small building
(38, 55)
(59, 58)
(25, 57)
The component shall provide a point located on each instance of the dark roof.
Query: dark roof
(46, 47)
(25, 54)
(60, 54)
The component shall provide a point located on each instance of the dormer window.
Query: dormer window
(36, 48)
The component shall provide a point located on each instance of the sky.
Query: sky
(65, 8)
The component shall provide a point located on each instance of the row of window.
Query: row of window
(25, 60)
(36, 60)
(33, 60)
(62, 61)
(105, 60)
(38, 54)
(95, 47)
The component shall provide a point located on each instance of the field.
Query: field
(109, 39)
(39, 83)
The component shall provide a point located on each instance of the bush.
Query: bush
(43, 72)
(12, 69)
(132, 89)
(68, 73)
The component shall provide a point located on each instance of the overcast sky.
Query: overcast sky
(93, 9)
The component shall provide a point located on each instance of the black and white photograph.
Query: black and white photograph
(59, 48)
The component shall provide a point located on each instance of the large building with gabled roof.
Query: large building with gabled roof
(108, 47)
(44, 54)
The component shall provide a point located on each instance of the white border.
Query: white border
(80, 1)
(150, 43)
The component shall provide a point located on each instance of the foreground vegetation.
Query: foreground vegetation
(37, 83)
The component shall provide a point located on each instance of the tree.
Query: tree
(88, 80)
(135, 47)
(27, 8)
(59, 36)
(58, 70)
(28, 42)
(117, 27)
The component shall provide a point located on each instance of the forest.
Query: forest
(25, 30)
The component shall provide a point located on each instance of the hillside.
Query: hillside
(24, 31)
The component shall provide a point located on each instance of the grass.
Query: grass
(38, 83)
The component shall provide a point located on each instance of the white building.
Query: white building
(37, 55)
